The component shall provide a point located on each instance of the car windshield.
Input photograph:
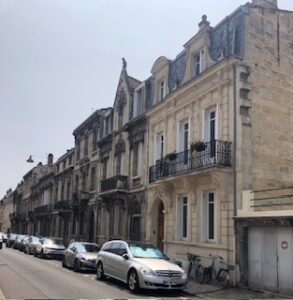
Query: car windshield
(35, 239)
(146, 252)
(88, 248)
(52, 241)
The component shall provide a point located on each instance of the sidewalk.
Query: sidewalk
(2, 295)
(215, 291)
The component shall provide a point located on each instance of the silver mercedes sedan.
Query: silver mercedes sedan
(139, 266)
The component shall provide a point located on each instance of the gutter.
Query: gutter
(234, 146)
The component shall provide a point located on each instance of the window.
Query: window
(118, 164)
(83, 182)
(77, 150)
(68, 190)
(137, 103)
(198, 63)
(210, 129)
(137, 159)
(95, 138)
(162, 90)
(183, 139)
(93, 179)
(116, 227)
(86, 142)
(76, 186)
(182, 217)
(62, 191)
(159, 146)
(209, 217)
(81, 223)
(104, 168)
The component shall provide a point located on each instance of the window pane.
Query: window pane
(184, 215)
(211, 216)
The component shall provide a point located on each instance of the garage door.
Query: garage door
(270, 259)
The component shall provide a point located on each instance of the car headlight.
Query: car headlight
(147, 271)
(184, 275)
(46, 250)
(82, 258)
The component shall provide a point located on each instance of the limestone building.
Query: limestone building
(6, 209)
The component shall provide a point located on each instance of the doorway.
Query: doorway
(91, 227)
(160, 229)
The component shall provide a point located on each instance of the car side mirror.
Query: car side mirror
(125, 256)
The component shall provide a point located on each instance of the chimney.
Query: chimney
(50, 159)
(266, 3)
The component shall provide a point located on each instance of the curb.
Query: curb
(2, 295)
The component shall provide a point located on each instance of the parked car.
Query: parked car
(4, 235)
(23, 243)
(17, 241)
(30, 247)
(49, 247)
(11, 240)
(140, 266)
(81, 256)
(1, 240)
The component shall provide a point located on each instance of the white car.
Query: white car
(1, 240)
(140, 266)
(48, 247)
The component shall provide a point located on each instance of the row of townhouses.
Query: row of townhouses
(196, 158)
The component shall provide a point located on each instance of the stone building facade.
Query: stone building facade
(196, 158)
(6, 209)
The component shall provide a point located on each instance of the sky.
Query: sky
(61, 59)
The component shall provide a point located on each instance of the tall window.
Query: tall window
(159, 146)
(93, 179)
(198, 63)
(137, 103)
(183, 139)
(62, 191)
(210, 129)
(77, 150)
(162, 90)
(116, 227)
(136, 159)
(118, 164)
(85, 147)
(76, 185)
(95, 137)
(209, 217)
(104, 169)
(182, 217)
(68, 190)
(81, 223)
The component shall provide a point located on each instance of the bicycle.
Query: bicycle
(219, 270)
(195, 269)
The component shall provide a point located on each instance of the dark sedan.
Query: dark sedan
(81, 256)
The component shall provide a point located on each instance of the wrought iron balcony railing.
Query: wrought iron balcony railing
(62, 205)
(118, 182)
(214, 153)
(41, 209)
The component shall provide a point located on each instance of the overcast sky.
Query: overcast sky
(61, 59)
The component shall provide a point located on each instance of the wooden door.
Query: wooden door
(160, 229)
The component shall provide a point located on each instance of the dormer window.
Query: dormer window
(198, 63)
(137, 103)
(162, 90)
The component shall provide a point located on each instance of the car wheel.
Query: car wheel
(100, 271)
(133, 284)
(64, 263)
(76, 266)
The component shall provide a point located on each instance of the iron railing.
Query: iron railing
(117, 182)
(62, 205)
(214, 153)
(41, 209)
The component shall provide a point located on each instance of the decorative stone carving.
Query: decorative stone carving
(119, 147)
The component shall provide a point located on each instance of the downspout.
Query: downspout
(234, 172)
(234, 146)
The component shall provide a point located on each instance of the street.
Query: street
(24, 276)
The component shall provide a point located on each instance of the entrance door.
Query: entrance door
(91, 227)
(160, 231)
(270, 262)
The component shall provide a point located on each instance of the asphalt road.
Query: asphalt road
(26, 277)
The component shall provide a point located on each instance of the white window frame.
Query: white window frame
(205, 217)
(162, 90)
(157, 135)
(198, 61)
(206, 120)
(180, 135)
(179, 217)
(137, 103)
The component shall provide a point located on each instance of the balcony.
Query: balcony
(118, 182)
(44, 209)
(213, 154)
(62, 205)
(80, 198)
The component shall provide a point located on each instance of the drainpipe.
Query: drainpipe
(234, 147)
